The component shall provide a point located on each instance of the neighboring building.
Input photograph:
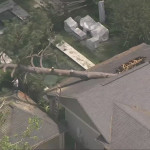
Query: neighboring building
(111, 113)
(13, 8)
(8, 10)
(18, 109)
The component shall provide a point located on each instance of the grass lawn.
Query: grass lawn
(1, 1)
(105, 51)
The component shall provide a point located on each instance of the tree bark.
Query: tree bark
(59, 72)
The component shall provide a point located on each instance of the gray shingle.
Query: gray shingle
(132, 88)
(17, 121)
(127, 132)
(109, 65)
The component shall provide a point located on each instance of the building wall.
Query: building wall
(55, 143)
(82, 133)
(76, 108)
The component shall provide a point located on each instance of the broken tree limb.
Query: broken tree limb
(59, 72)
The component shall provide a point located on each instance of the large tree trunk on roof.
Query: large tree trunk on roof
(59, 72)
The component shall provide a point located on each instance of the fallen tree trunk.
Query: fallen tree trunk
(59, 72)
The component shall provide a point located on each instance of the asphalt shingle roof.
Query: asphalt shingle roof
(19, 111)
(98, 96)
(132, 89)
(109, 66)
(127, 131)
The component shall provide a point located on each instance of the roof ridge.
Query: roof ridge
(119, 76)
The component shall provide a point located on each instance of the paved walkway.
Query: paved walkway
(75, 55)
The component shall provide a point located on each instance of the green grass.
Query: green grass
(105, 51)
(78, 46)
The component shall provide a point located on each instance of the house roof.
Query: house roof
(97, 97)
(10, 5)
(19, 109)
(127, 130)
(77, 85)
(131, 89)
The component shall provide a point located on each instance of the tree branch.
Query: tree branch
(40, 55)
(59, 72)
(41, 60)
(2, 104)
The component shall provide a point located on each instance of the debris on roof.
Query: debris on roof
(132, 63)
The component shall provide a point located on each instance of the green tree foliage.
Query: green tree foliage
(33, 125)
(21, 39)
(130, 19)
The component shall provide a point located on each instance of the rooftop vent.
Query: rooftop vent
(131, 64)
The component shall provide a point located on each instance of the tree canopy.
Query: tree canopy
(21, 39)
(130, 20)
